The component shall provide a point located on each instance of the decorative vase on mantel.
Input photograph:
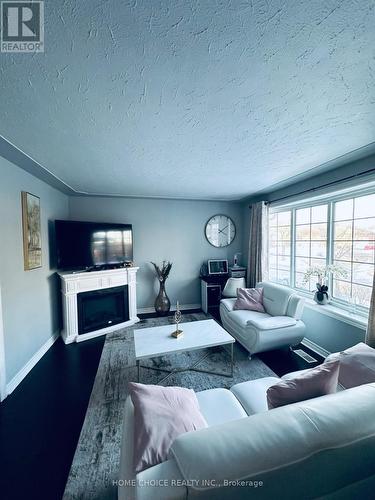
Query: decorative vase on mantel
(162, 303)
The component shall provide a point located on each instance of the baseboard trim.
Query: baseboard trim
(184, 307)
(17, 379)
(315, 348)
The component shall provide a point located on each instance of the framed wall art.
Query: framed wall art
(32, 236)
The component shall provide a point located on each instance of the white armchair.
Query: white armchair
(279, 326)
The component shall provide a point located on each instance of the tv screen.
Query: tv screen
(89, 244)
(216, 266)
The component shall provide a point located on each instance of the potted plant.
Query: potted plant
(162, 302)
(322, 274)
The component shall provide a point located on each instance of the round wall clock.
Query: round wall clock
(220, 231)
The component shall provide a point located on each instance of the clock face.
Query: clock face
(220, 231)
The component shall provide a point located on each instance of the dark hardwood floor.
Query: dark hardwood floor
(283, 361)
(41, 421)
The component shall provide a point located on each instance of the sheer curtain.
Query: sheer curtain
(257, 266)
(370, 334)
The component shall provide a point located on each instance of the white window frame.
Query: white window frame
(291, 243)
(294, 241)
(328, 200)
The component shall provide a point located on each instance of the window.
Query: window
(310, 242)
(354, 249)
(279, 247)
(340, 231)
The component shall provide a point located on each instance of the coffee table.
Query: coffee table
(157, 341)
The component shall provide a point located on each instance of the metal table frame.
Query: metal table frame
(190, 368)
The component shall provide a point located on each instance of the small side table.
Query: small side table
(211, 290)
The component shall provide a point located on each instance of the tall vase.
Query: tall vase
(162, 302)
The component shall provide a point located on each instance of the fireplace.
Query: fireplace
(80, 298)
(103, 308)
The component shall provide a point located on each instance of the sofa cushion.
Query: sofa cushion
(219, 405)
(228, 304)
(249, 299)
(160, 415)
(252, 394)
(243, 318)
(275, 298)
(272, 322)
(311, 383)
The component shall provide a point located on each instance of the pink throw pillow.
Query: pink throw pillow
(250, 299)
(311, 383)
(160, 415)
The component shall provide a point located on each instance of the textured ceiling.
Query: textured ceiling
(196, 99)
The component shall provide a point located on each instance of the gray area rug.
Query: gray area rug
(96, 461)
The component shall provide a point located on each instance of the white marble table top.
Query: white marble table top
(157, 341)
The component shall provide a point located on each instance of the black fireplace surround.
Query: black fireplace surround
(102, 308)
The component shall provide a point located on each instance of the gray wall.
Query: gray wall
(330, 333)
(165, 230)
(30, 298)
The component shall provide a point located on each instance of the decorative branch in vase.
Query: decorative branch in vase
(162, 302)
(322, 274)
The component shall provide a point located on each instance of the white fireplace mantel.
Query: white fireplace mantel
(73, 283)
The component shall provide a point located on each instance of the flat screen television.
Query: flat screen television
(82, 245)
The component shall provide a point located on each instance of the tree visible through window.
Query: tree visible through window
(310, 242)
(354, 248)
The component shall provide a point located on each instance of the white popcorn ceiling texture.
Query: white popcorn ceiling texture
(212, 99)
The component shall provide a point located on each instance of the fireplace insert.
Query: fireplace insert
(102, 308)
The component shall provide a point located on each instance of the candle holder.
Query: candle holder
(177, 319)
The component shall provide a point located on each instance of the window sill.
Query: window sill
(338, 313)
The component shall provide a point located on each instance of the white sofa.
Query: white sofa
(279, 326)
(321, 448)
